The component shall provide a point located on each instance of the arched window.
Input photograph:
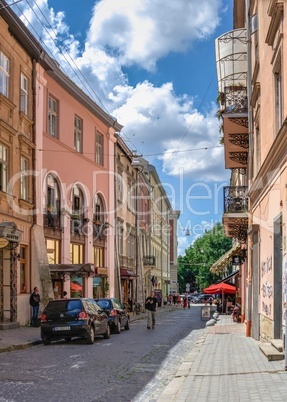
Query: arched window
(53, 195)
(53, 203)
(77, 202)
(99, 211)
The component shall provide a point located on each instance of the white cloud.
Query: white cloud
(140, 32)
(185, 138)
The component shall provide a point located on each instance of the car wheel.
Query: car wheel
(68, 339)
(91, 336)
(118, 328)
(46, 341)
(107, 334)
(127, 326)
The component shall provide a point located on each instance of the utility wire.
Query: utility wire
(67, 52)
(86, 84)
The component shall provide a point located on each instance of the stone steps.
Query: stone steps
(273, 350)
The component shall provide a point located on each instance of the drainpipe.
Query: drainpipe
(34, 95)
(116, 240)
(249, 275)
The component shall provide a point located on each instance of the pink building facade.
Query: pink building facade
(74, 176)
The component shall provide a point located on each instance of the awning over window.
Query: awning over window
(72, 268)
(125, 273)
(220, 264)
(234, 273)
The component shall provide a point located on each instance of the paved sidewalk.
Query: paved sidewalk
(227, 366)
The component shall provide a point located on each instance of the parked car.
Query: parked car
(118, 314)
(68, 318)
(202, 298)
(193, 298)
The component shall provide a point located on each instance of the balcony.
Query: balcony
(127, 262)
(235, 199)
(149, 260)
(235, 214)
(100, 230)
(76, 225)
(231, 60)
(52, 221)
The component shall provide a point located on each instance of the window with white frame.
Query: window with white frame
(278, 95)
(78, 134)
(4, 74)
(99, 149)
(24, 184)
(53, 117)
(99, 213)
(24, 94)
(120, 237)
(3, 168)
(119, 181)
(53, 195)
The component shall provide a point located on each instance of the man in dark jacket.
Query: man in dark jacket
(35, 303)
(151, 305)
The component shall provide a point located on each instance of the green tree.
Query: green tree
(194, 266)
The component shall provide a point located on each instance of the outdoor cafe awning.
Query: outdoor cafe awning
(72, 268)
(225, 259)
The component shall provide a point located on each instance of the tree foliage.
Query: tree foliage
(194, 266)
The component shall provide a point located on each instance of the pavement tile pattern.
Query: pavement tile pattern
(227, 366)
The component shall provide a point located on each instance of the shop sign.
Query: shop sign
(10, 233)
(102, 271)
(3, 242)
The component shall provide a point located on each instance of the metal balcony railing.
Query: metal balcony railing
(127, 262)
(76, 225)
(235, 199)
(52, 221)
(149, 260)
(235, 99)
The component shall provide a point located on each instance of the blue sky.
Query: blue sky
(150, 64)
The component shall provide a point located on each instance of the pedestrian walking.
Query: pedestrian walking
(151, 304)
(184, 302)
(174, 300)
(35, 303)
(165, 301)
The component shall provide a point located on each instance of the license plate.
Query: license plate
(62, 328)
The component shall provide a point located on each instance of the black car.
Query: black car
(68, 318)
(117, 312)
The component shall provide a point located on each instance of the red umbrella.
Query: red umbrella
(220, 288)
(75, 287)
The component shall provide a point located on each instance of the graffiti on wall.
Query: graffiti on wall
(266, 267)
(267, 290)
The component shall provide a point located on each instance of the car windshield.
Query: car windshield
(104, 303)
(64, 305)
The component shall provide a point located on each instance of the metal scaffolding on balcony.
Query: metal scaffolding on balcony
(231, 59)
